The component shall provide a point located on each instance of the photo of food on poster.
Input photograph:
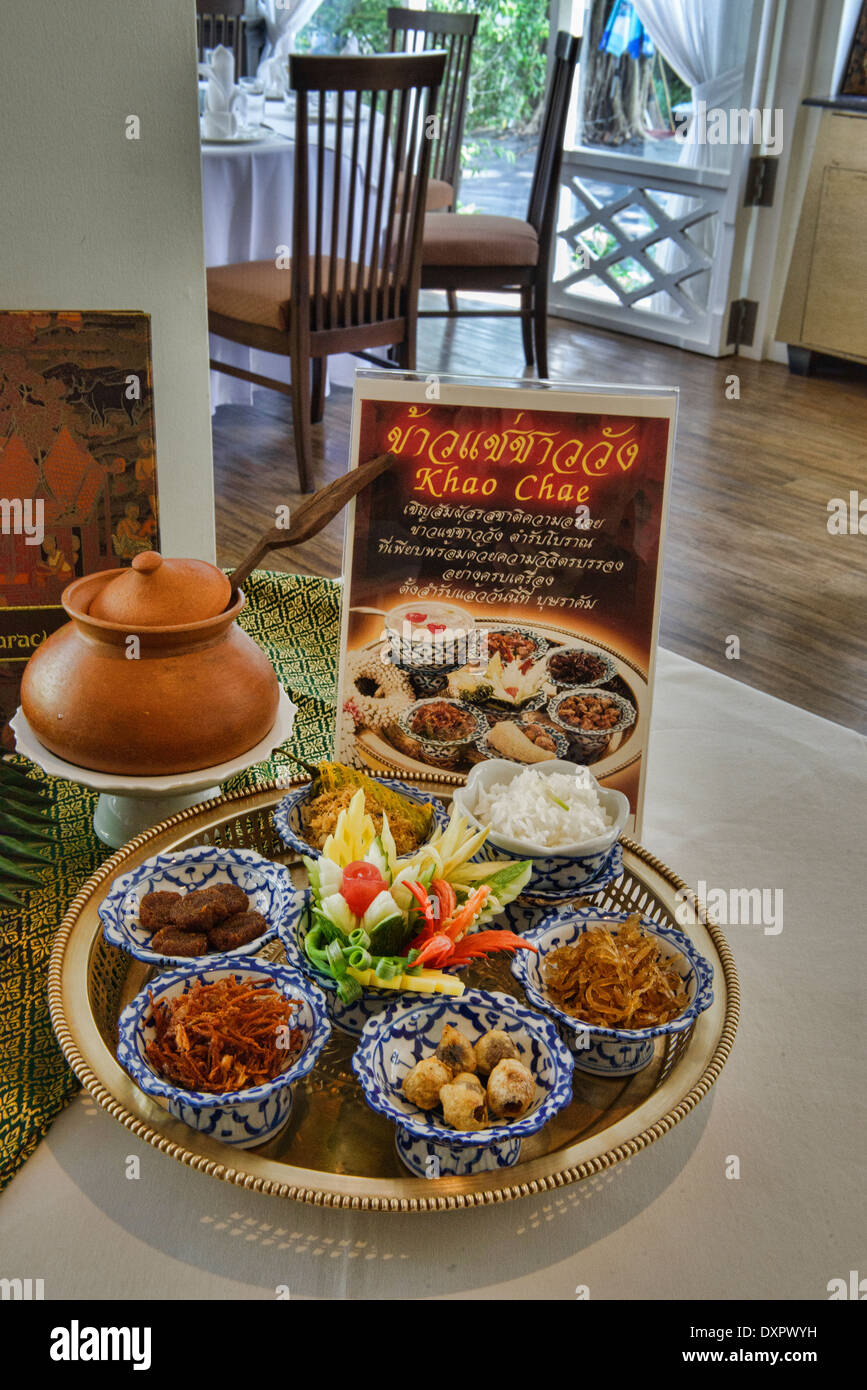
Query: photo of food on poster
(502, 579)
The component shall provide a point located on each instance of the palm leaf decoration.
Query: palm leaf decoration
(23, 828)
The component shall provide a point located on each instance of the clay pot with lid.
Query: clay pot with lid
(152, 675)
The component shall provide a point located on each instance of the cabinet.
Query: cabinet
(824, 305)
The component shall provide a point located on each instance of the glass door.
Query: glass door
(661, 131)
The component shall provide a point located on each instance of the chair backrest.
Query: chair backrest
(219, 22)
(417, 31)
(542, 207)
(357, 226)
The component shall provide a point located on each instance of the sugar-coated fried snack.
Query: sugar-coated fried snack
(470, 1081)
(235, 898)
(171, 941)
(155, 909)
(456, 1051)
(491, 1048)
(463, 1107)
(511, 1090)
(200, 910)
(616, 979)
(422, 1085)
(237, 931)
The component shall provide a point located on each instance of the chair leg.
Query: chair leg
(452, 300)
(527, 324)
(406, 351)
(320, 381)
(540, 320)
(301, 422)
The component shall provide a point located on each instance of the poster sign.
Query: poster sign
(78, 483)
(502, 581)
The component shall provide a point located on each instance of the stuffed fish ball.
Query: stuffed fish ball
(456, 1051)
(511, 1090)
(423, 1083)
(463, 1106)
(491, 1048)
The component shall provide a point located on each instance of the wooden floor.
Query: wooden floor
(748, 551)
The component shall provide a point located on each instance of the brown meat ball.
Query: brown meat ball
(491, 1048)
(155, 909)
(511, 1090)
(235, 898)
(200, 910)
(237, 931)
(455, 1051)
(463, 1107)
(173, 942)
(422, 1085)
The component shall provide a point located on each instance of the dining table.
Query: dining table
(753, 1195)
(248, 187)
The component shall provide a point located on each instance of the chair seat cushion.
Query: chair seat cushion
(439, 195)
(257, 292)
(478, 238)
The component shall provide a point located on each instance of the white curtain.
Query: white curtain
(705, 42)
(283, 21)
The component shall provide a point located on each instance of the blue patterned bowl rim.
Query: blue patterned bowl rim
(608, 662)
(628, 713)
(435, 745)
(559, 736)
(540, 642)
(110, 910)
(585, 916)
(289, 981)
(284, 808)
(559, 1095)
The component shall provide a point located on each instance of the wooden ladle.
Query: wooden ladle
(313, 513)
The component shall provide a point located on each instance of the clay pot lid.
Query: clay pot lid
(157, 592)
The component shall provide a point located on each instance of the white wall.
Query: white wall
(92, 220)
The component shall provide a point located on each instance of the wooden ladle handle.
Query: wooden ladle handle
(313, 514)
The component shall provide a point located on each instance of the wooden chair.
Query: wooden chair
(221, 22)
(420, 31)
(483, 252)
(353, 281)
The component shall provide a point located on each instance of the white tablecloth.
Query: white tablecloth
(247, 202)
(743, 791)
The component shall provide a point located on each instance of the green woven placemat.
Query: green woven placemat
(296, 620)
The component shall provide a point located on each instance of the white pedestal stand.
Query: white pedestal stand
(129, 805)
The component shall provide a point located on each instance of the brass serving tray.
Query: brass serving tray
(335, 1151)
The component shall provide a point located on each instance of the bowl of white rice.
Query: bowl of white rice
(554, 813)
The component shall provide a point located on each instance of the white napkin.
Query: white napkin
(224, 102)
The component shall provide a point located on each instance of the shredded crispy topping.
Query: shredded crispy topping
(224, 1036)
(616, 980)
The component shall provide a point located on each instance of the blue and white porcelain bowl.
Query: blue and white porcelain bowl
(559, 739)
(574, 869)
(608, 665)
(268, 885)
(442, 752)
(403, 1034)
(611, 1052)
(591, 743)
(289, 825)
(241, 1118)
